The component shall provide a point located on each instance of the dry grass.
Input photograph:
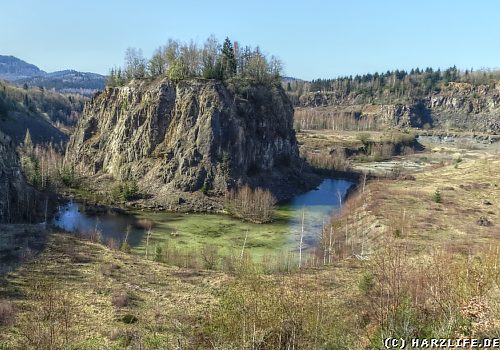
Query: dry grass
(100, 287)
(469, 190)
(327, 149)
(400, 208)
(116, 300)
(7, 313)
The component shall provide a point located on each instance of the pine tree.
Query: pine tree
(111, 80)
(228, 59)
(28, 143)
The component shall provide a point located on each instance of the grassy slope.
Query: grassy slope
(91, 274)
(167, 301)
(466, 189)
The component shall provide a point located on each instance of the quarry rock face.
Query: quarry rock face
(458, 106)
(191, 136)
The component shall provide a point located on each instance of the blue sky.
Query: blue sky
(314, 38)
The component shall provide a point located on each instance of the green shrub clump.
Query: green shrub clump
(437, 197)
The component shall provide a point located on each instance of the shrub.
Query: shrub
(441, 296)
(397, 233)
(437, 197)
(364, 137)
(54, 322)
(158, 253)
(108, 268)
(256, 312)
(326, 161)
(253, 205)
(113, 244)
(95, 236)
(125, 247)
(367, 282)
(125, 191)
(68, 177)
(204, 189)
(130, 190)
(210, 256)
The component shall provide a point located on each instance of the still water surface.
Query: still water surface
(195, 230)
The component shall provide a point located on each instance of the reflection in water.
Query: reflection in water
(71, 217)
(318, 205)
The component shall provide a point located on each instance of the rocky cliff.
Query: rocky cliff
(180, 139)
(459, 106)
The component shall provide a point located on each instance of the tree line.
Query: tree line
(43, 166)
(414, 83)
(385, 87)
(179, 60)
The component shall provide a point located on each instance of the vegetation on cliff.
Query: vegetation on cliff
(177, 61)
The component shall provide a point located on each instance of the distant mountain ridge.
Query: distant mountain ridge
(13, 68)
(21, 72)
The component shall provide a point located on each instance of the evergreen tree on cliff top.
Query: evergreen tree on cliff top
(228, 59)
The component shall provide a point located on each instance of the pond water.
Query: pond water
(191, 231)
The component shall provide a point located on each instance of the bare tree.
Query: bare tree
(364, 181)
(301, 241)
(147, 241)
(331, 245)
(191, 58)
(244, 244)
(253, 205)
(135, 64)
(171, 52)
(157, 65)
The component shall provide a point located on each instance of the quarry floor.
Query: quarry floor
(465, 220)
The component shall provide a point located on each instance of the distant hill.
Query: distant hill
(20, 72)
(287, 79)
(68, 81)
(13, 68)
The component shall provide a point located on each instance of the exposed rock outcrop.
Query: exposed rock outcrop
(457, 106)
(180, 139)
